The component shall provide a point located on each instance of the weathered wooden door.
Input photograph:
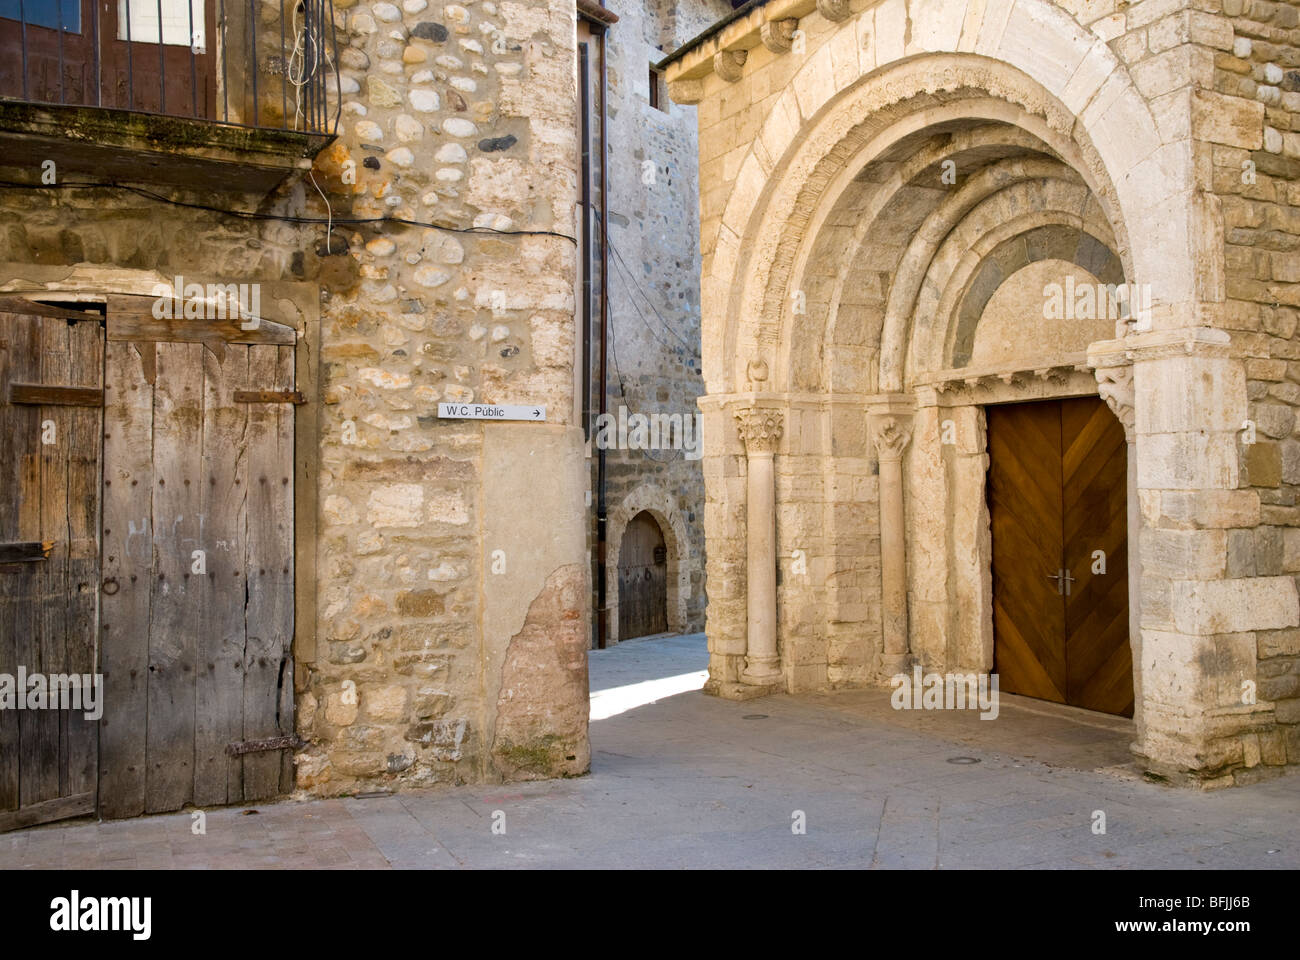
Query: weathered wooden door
(642, 579)
(197, 617)
(1057, 492)
(51, 363)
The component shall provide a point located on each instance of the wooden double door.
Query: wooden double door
(1057, 494)
(146, 535)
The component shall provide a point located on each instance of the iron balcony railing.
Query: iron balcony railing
(258, 63)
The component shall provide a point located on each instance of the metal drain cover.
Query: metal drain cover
(963, 760)
(754, 716)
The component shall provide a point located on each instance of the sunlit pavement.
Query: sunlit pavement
(683, 780)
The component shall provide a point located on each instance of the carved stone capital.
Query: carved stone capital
(778, 35)
(1115, 384)
(760, 429)
(891, 435)
(834, 10)
(728, 63)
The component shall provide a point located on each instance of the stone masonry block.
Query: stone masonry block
(1204, 607)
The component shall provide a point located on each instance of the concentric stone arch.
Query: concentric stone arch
(778, 204)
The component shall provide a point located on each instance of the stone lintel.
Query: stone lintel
(890, 405)
(784, 400)
(1161, 344)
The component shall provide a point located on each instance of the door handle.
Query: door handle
(1063, 580)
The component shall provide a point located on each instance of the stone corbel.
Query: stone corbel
(685, 92)
(1115, 384)
(1112, 365)
(778, 35)
(728, 64)
(834, 10)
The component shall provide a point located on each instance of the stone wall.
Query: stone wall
(459, 115)
(450, 572)
(654, 364)
(1249, 157)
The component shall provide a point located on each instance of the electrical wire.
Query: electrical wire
(650, 303)
(305, 38)
(624, 272)
(628, 283)
(254, 215)
(329, 212)
(613, 347)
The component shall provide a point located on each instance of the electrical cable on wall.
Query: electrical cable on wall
(306, 38)
(280, 218)
(624, 273)
(667, 326)
(623, 393)
(329, 212)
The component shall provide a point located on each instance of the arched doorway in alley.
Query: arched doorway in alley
(648, 568)
(642, 579)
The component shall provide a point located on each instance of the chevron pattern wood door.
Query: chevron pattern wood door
(1094, 497)
(1024, 491)
(1057, 500)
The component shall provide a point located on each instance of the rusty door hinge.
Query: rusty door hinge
(270, 396)
(242, 747)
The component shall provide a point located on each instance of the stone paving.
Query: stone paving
(694, 781)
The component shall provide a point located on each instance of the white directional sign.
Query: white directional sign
(491, 411)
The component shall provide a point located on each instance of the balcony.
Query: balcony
(228, 95)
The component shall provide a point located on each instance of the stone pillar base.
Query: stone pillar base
(892, 664)
(740, 691)
(762, 672)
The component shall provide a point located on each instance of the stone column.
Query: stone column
(891, 432)
(760, 430)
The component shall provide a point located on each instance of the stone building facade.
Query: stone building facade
(889, 190)
(654, 315)
(457, 616)
(439, 574)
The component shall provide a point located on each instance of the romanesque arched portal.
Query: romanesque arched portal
(913, 212)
